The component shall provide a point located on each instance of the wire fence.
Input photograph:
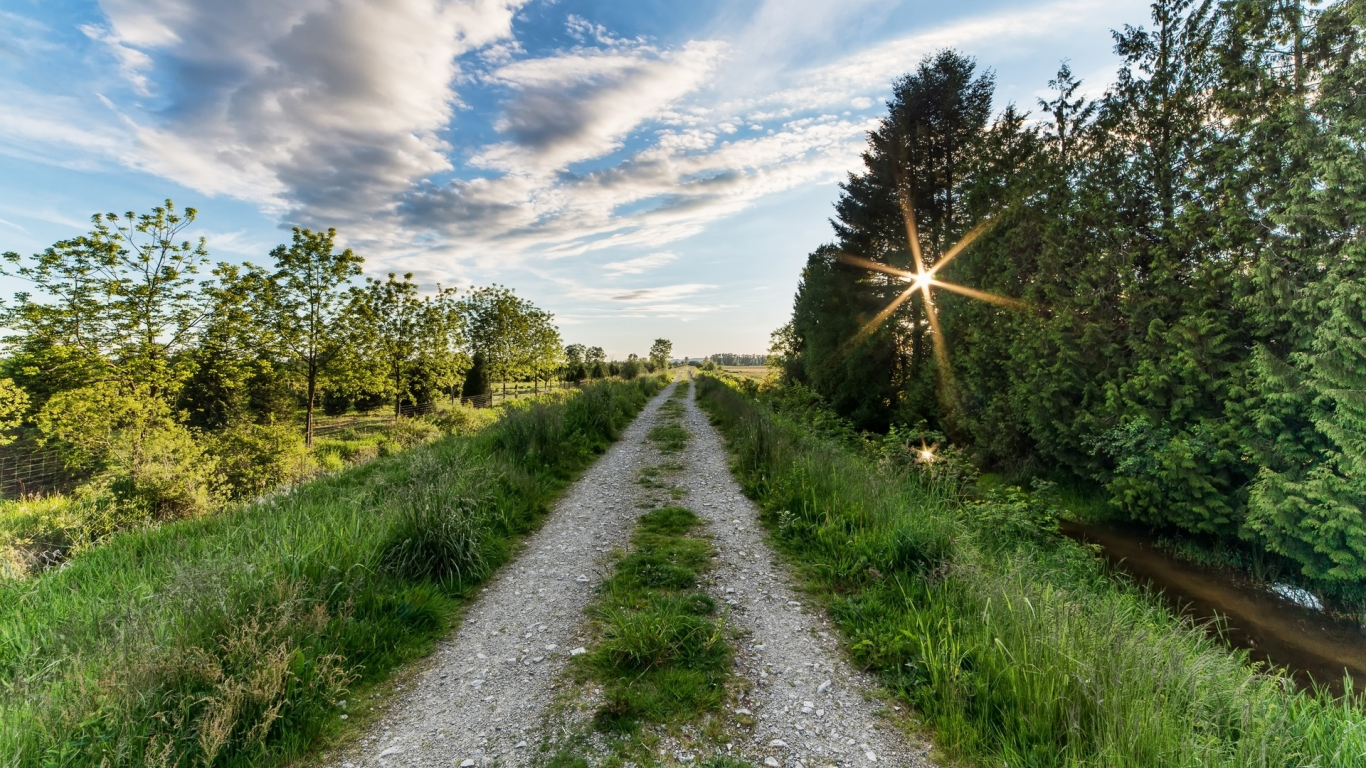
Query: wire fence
(32, 470)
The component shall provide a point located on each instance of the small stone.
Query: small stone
(551, 647)
(730, 591)
(743, 711)
(820, 713)
(538, 660)
(779, 743)
(772, 762)
(520, 745)
(872, 758)
(467, 763)
(822, 688)
(343, 717)
(578, 651)
(582, 579)
(389, 752)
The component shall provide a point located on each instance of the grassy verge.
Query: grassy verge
(1010, 642)
(247, 462)
(232, 640)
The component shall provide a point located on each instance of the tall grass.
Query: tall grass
(1011, 643)
(231, 640)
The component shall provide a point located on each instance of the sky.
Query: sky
(639, 168)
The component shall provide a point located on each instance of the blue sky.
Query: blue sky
(640, 169)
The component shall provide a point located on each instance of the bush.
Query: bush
(463, 419)
(335, 403)
(253, 458)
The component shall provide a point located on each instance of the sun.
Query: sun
(923, 279)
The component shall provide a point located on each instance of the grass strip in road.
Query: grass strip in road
(1011, 642)
(669, 434)
(231, 640)
(662, 658)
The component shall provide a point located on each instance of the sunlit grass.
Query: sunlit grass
(230, 640)
(1011, 642)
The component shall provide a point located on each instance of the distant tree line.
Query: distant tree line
(730, 358)
(1190, 253)
(128, 361)
(583, 362)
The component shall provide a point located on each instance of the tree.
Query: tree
(575, 367)
(124, 300)
(660, 352)
(233, 350)
(305, 304)
(410, 336)
(513, 337)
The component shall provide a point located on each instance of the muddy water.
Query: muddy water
(1311, 645)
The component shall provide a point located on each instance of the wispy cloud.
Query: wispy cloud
(339, 112)
(639, 265)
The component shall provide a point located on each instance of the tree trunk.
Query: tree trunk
(312, 390)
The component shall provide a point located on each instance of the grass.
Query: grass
(662, 658)
(669, 435)
(42, 531)
(1010, 641)
(230, 640)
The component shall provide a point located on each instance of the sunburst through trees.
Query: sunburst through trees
(923, 280)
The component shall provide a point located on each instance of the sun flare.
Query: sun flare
(921, 281)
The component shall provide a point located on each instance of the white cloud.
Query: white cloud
(639, 265)
(338, 113)
(582, 104)
(325, 108)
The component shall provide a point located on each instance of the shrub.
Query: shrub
(253, 458)
(335, 403)
(463, 419)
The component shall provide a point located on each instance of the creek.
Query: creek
(1313, 646)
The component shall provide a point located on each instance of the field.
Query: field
(756, 372)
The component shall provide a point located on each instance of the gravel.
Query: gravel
(808, 706)
(484, 694)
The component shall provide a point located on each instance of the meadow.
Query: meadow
(245, 638)
(1012, 643)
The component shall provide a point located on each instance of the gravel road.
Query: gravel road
(482, 697)
(808, 706)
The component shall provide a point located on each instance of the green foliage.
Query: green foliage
(514, 338)
(417, 340)
(13, 408)
(254, 458)
(660, 352)
(230, 640)
(1186, 249)
(1010, 642)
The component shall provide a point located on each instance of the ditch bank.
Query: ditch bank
(1276, 630)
